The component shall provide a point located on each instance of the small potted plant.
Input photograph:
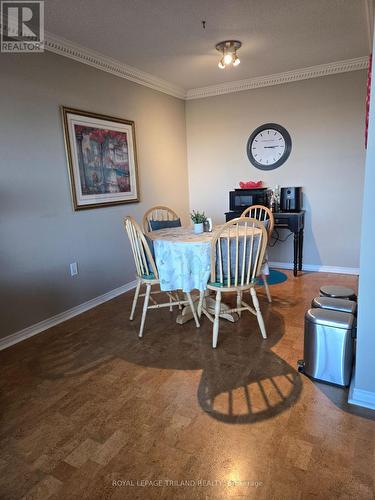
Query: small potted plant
(198, 219)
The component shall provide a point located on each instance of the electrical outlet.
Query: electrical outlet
(73, 269)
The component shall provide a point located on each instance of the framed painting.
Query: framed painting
(102, 160)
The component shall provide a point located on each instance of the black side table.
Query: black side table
(295, 222)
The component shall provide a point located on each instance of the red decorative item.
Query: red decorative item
(368, 97)
(251, 185)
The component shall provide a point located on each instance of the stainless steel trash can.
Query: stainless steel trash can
(343, 305)
(328, 346)
(338, 292)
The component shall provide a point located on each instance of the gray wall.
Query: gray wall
(325, 117)
(40, 233)
(365, 356)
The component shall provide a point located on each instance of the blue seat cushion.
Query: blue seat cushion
(164, 224)
(150, 244)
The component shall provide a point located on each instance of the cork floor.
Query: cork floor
(89, 411)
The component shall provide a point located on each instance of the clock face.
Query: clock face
(269, 146)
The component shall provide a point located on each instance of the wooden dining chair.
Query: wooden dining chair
(147, 274)
(159, 214)
(265, 215)
(237, 252)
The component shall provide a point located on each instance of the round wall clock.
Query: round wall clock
(269, 146)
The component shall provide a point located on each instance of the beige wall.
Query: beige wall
(325, 117)
(40, 232)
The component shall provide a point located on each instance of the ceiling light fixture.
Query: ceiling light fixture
(228, 48)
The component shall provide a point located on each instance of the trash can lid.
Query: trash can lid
(343, 305)
(327, 317)
(337, 291)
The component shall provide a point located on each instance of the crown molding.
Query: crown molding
(66, 48)
(279, 78)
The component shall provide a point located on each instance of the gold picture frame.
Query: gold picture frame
(102, 159)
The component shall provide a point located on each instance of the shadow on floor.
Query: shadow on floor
(242, 381)
(248, 392)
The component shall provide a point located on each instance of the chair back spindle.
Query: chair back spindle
(143, 258)
(158, 213)
(262, 214)
(237, 252)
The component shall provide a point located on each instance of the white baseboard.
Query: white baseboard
(16, 337)
(360, 397)
(317, 268)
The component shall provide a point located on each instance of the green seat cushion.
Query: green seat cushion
(225, 284)
(150, 276)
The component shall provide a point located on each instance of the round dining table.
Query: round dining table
(182, 258)
(183, 262)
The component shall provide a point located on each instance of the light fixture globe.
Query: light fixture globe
(228, 49)
(236, 61)
(228, 58)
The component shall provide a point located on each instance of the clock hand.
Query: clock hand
(270, 147)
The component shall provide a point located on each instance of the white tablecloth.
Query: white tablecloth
(182, 258)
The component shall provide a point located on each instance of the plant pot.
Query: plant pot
(198, 228)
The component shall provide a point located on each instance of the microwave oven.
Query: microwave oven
(239, 199)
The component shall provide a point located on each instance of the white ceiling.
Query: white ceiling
(165, 37)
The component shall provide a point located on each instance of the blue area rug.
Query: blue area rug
(274, 278)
